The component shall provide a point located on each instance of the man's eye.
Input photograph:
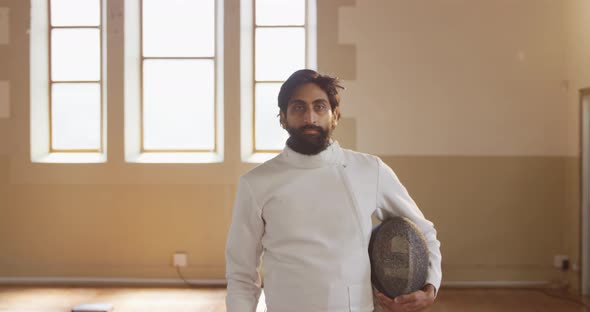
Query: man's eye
(298, 108)
(321, 107)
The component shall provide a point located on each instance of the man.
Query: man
(307, 214)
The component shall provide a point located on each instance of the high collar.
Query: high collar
(332, 155)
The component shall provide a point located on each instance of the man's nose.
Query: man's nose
(310, 117)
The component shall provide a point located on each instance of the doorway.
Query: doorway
(585, 175)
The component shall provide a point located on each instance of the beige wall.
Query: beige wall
(498, 218)
(469, 97)
(458, 77)
(577, 21)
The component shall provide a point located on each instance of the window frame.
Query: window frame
(215, 60)
(100, 80)
(251, 153)
(134, 151)
(40, 89)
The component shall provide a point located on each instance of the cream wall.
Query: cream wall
(577, 21)
(458, 77)
(498, 218)
(470, 98)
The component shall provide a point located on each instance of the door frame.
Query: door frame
(585, 189)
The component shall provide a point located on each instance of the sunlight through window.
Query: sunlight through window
(281, 46)
(75, 83)
(178, 76)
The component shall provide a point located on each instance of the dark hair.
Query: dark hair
(329, 84)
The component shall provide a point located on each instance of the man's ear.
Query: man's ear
(336, 116)
(282, 119)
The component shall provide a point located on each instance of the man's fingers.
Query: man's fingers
(406, 298)
(412, 306)
(412, 302)
(384, 299)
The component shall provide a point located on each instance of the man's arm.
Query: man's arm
(243, 252)
(393, 200)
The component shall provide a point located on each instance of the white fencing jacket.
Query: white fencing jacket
(308, 218)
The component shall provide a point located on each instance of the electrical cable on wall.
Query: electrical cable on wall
(185, 281)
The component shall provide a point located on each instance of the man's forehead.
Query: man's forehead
(307, 91)
(303, 101)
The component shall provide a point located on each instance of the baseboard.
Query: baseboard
(496, 284)
(222, 282)
(107, 281)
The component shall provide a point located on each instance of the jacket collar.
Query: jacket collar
(332, 155)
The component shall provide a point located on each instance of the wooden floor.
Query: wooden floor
(62, 299)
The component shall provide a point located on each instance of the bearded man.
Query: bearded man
(307, 215)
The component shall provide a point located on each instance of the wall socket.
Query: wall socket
(561, 262)
(179, 259)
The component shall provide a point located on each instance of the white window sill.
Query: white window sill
(176, 158)
(71, 158)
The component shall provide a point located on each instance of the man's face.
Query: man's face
(309, 119)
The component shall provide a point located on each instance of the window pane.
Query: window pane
(178, 28)
(75, 12)
(269, 134)
(178, 104)
(280, 12)
(279, 52)
(75, 54)
(75, 116)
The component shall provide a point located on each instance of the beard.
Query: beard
(309, 143)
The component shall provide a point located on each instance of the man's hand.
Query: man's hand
(412, 302)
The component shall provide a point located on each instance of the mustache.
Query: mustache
(311, 127)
